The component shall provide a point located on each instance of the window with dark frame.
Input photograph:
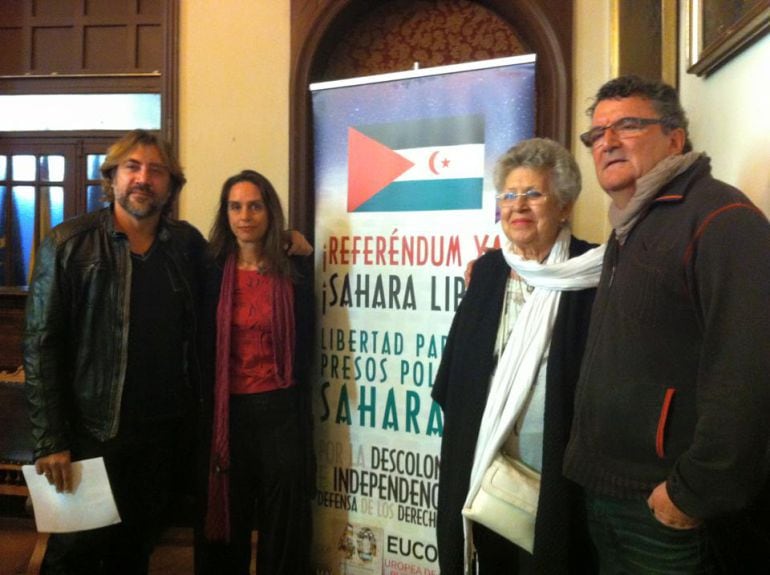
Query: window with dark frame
(41, 185)
(117, 52)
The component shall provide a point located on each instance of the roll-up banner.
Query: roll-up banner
(404, 198)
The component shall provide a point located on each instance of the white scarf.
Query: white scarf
(523, 352)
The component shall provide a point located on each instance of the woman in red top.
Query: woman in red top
(261, 468)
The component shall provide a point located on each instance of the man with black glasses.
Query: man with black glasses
(671, 430)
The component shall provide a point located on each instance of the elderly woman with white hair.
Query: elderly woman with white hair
(507, 377)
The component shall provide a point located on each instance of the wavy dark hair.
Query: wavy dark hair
(222, 241)
(663, 98)
(120, 150)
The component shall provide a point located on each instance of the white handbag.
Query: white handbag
(506, 503)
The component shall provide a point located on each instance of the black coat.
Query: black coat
(304, 321)
(561, 538)
(77, 320)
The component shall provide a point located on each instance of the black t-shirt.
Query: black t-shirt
(156, 387)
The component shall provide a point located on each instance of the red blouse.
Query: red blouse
(252, 366)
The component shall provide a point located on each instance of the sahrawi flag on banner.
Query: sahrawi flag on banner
(417, 165)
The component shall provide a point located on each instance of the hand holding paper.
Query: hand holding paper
(89, 505)
(57, 468)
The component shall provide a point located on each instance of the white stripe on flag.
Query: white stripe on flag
(444, 162)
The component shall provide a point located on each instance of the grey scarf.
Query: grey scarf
(647, 188)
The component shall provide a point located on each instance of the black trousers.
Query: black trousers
(140, 469)
(267, 490)
(498, 556)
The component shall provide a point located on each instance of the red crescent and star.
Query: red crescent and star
(432, 162)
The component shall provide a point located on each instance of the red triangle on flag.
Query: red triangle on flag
(371, 167)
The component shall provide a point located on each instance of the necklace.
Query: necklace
(516, 293)
(260, 267)
(521, 285)
(515, 298)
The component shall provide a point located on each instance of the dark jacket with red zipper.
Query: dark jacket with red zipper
(675, 382)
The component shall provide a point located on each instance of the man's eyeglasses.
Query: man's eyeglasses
(623, 128)
(532, 196)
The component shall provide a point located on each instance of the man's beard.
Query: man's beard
(142, 210)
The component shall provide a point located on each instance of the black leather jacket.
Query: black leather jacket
(76, 333)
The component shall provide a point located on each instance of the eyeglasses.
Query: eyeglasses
(623, 128)
(531, 196)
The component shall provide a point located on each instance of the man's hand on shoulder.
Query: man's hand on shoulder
(469, 268)
(297, 244)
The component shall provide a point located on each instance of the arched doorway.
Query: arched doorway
(333, 39)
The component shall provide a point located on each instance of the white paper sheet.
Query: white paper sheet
(88, 506)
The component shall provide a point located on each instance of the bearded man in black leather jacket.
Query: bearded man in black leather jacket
(109, 354)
